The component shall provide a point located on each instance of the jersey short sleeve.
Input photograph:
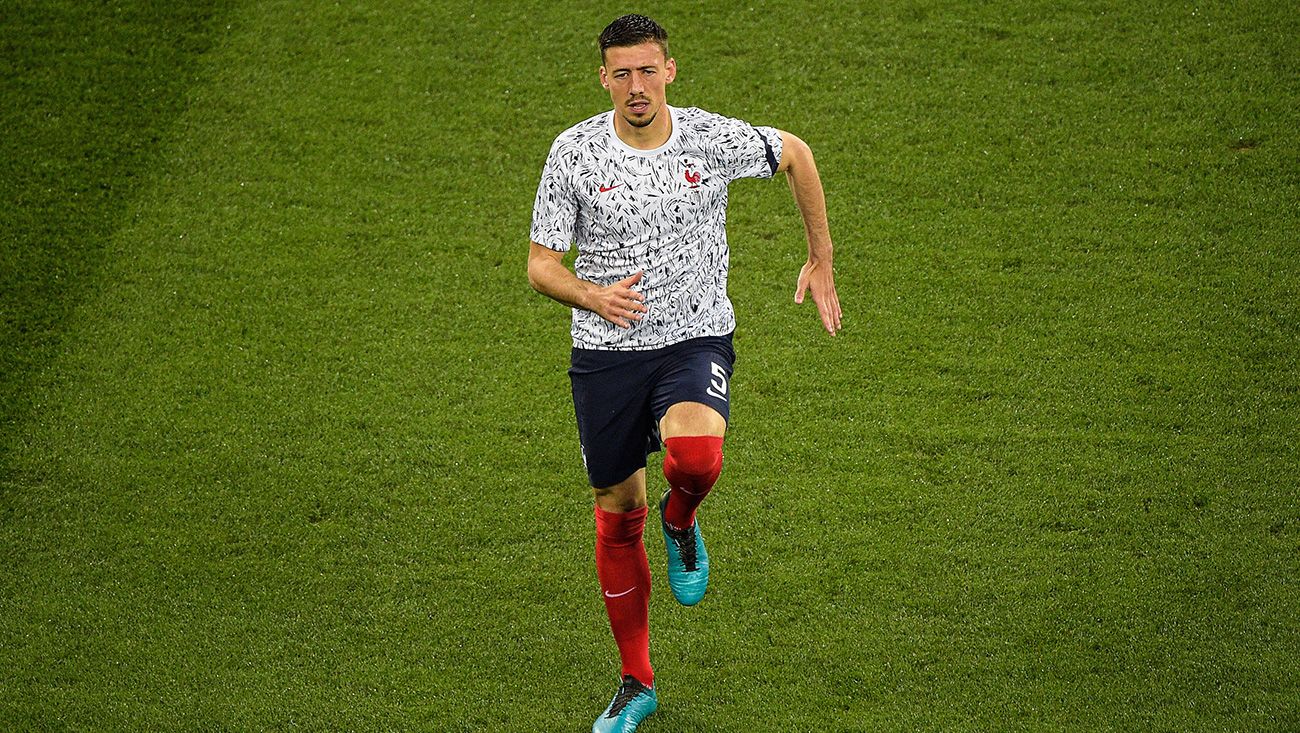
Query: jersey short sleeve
(555, 210)
(744, 150)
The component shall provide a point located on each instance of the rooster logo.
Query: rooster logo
(693, 178)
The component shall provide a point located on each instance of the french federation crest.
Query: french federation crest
(692, 174)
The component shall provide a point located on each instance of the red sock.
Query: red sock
(624, 576)
(691, 466)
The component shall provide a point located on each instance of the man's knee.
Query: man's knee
(692, 418)
(624, 496)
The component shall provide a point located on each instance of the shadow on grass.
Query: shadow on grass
(87, 91)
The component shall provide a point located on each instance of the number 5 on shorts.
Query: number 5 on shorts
(718, 385)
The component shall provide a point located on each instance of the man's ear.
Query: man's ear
(670, 66)
(604, 80)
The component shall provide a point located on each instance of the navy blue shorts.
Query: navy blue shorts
(620, 397)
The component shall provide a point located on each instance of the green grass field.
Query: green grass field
(287, 441)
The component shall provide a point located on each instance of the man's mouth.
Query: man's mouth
(639, 106)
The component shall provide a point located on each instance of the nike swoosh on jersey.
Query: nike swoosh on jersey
(607, 189)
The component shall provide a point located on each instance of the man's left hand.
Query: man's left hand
(820, 279)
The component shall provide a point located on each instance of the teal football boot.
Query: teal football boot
(631, 704)
(688, 562)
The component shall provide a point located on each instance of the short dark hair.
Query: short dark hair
(632, 30)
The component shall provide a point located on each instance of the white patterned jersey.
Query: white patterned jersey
(661, 211)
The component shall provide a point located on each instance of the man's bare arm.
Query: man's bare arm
(817, 275)
(617, 303)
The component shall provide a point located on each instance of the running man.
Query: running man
(642, 191)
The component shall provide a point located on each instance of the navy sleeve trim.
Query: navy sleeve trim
(772, 162)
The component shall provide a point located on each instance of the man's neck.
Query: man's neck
(649, 137)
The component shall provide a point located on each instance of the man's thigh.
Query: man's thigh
(611, 400)
(692, 392)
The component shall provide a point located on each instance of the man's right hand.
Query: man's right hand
(618, 303)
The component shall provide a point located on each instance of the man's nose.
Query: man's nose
(638, 84)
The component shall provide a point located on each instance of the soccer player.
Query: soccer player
(642, 191)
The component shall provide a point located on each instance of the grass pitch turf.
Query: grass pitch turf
(287, 441)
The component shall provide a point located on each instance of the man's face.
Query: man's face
(636, 77)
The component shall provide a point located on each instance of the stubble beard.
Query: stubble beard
(640, 123)
(646, 122)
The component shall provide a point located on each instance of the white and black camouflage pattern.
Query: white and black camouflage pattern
(661, 211)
